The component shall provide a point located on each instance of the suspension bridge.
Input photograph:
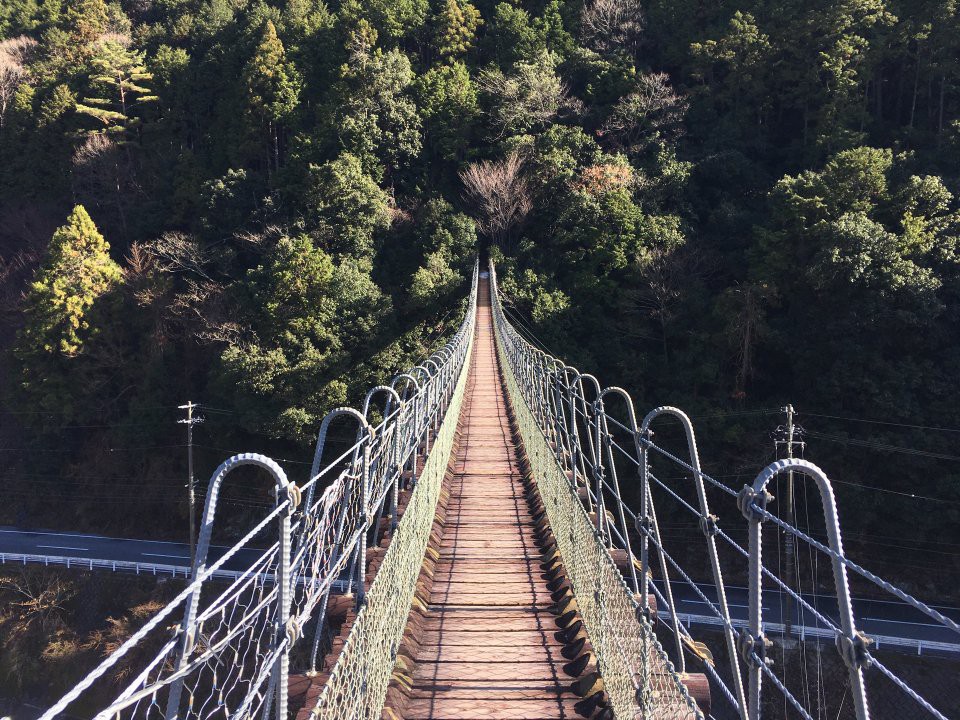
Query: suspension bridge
(471, 555)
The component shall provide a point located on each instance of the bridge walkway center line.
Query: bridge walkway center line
(488, 650)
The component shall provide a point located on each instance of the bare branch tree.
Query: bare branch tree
(103, 168)
(668, 272)
(653, 109)
(177, 252)
(501, 195)
(611, 24)
(15, 54)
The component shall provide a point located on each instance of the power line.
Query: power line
(70, 450)
(882, 422)
(895, 492)
(70, 412)
(881, 446)
(234, 452)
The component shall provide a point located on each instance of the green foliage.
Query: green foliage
(314, 321)
(86, 21)
(59, 309)
(117, 90)
(447, 99)
(76, 272)
(526, 99)
(273, 87)
(434, 281)
(455, 28)
(272, 83)
(393, 19)
(513, 37)
(855, 233)
(376, 118)
(348, 206)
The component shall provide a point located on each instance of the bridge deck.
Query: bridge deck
(489, 650)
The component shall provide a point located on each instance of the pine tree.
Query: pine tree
(117, 90)
(60, 318)
(273, 90)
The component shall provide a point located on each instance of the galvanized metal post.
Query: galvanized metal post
(190, 628)
(752, 501)
(708, 526)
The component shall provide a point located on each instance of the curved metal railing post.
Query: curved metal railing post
(350, 475)
(588, 413)
(752, 502)
(708, 526)
(599, 471)
(391, 429)
(285, 491)
(608, 440)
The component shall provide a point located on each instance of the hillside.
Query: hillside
(270, 206)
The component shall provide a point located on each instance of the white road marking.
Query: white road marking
(60, 547)
(729, 604)
(175, 557)
(903, 622)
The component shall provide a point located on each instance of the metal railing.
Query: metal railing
(599, 449)
(222, 649)
(639, 678)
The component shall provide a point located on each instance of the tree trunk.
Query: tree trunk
(943, 83)
(663, 335)
(878, 92)
(916, 87)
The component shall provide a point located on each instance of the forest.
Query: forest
(269, 206)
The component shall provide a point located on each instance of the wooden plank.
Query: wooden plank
(487, 669)
(486, 644)
(507, 690)
(503, 653)
(477, 709)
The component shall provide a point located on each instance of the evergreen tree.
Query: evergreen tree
(349, 207)
(76, 273)
(273, 88)
(118, 90)
(375, 117)
(456, 27)
(448, 103)
(312, 319)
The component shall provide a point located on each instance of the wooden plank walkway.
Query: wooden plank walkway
(488, 650)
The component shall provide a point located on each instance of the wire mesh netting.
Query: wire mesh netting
(222, 649)
(638, 675)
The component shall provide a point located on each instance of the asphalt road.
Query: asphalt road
(885, 618)
(98, 547)
(892, 619)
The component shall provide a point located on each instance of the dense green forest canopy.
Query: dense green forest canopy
(271, 205)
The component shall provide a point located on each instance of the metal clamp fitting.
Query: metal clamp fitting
(854, 651)
(294, 495)
(293, 631)
(747, 498)
(753, 649)
(643, 524)
(708, 525)
(644, 614)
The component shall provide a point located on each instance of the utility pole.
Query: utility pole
(190, 421)
(786, 435)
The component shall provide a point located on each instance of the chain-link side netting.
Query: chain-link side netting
(221, 650)
(638, 676)
(358, 682)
